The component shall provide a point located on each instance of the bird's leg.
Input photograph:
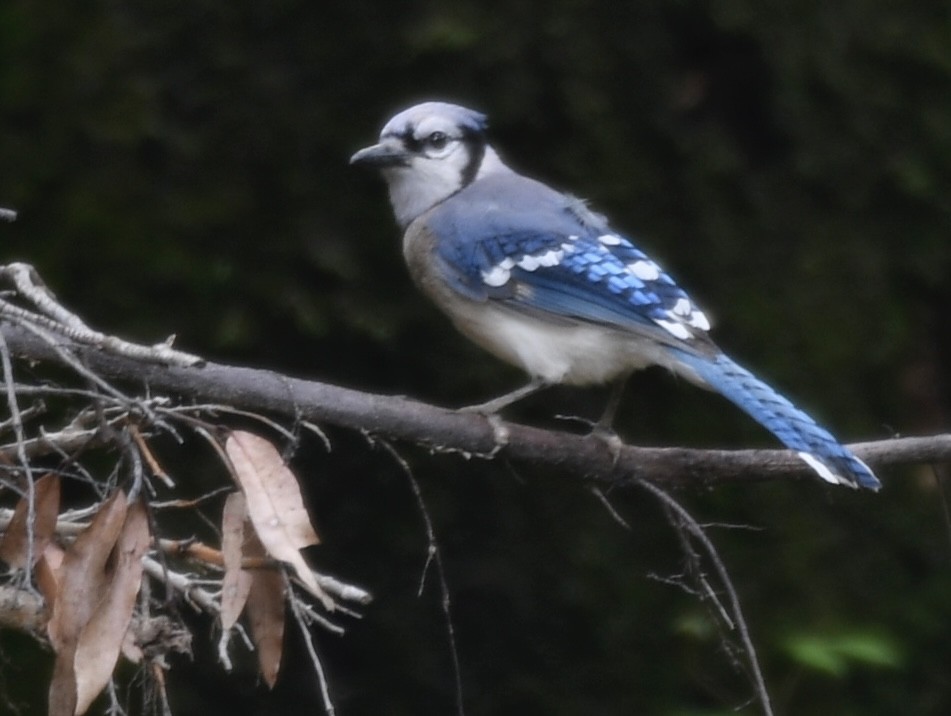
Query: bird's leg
(496, 404)
(605, 423)
(603, 429)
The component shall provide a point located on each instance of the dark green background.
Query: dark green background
(181, 167)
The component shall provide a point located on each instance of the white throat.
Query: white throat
(424, 183)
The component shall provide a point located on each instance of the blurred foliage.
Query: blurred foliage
(833, 654)
(182, 168)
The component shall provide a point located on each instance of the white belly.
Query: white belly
(556, 353)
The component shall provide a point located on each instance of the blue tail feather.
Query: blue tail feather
(815, 445)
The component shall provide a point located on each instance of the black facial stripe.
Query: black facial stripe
(409, 141)
(475, 145)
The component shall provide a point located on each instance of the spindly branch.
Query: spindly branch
(438, 428)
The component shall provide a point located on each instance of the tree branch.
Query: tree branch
(444, 430)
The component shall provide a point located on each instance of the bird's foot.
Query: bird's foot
(605, 434)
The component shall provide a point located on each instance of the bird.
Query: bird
(540, 280)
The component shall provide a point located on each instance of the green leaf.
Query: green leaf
(835, 654)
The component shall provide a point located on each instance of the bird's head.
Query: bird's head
(427, 153)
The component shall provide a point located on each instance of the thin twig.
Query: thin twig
(17, 420)
(194, 502)
(66, 357)
(433, 555)
(183, 584)
(603, 499)
(706, 591)
(154, 467)
(158, 675)
(28, 285)
(311, 649)
(312, 617)
(759, 683)
(115, 708)
(32, 411)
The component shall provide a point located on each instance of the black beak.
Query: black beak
(381, 156)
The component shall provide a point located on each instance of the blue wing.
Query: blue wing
(556, 258)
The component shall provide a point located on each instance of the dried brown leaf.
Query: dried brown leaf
(47, 573)
(97, 650)
(14, 545)
(54, 556)
(275, 504)
(274, 497)
(130, 649)
(266, 614)
(237, 582)
(62, 692)
(82, 583)
(82, 576)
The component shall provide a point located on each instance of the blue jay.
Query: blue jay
(536, 278)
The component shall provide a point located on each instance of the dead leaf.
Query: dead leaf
(14, 545)
(47, 573)
(275, 505)
(266, 613)
(130, 649)
(275, 497)
(82, 582)
(237, 582)
(54, 556)
(62, 693)
(82, 575)
(100, 640)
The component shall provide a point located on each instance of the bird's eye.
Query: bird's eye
(437, 140)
